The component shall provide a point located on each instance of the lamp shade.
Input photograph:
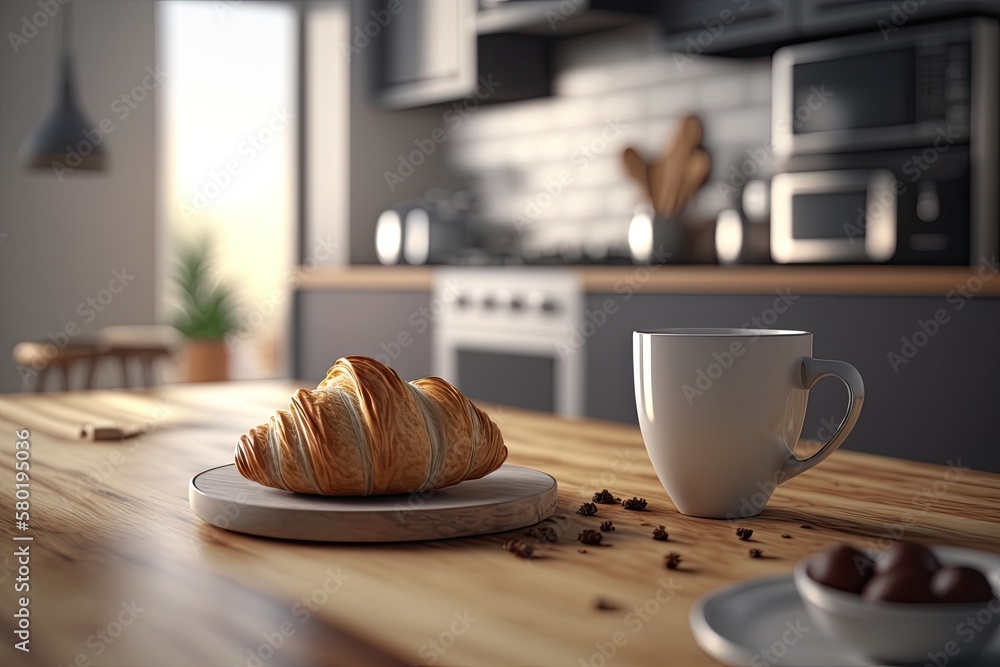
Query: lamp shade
(64, 140)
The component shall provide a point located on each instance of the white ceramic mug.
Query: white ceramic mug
(722, 409)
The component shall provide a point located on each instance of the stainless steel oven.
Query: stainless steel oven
(836, 216)
(511, 335)
(874, 92)
(888, 149)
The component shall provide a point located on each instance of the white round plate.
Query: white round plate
(763, 622)
(508, 498)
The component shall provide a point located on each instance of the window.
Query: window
(227, 132)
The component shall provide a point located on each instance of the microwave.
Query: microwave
(886, 150)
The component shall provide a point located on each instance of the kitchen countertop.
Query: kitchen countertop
(665, 279)
(122, 572)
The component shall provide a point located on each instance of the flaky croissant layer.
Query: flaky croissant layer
(364, 431)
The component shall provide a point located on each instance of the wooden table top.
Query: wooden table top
(868, 280)
(122, 572)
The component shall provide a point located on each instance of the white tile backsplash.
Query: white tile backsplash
(746, 125)
(672, 98)
(626, 106)
(573, 113)
(627, 44)
(722, 92)
(610, 91)
(605, 172)
(758, 84)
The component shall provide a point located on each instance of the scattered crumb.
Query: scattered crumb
(604, 605)
(519, 548)
(605, 497)
(756, 553)
(786, 536)
(542, 534)
(634, 504)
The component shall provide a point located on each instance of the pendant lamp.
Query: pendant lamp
(64, 140)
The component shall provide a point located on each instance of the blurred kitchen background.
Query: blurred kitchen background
(499, 192)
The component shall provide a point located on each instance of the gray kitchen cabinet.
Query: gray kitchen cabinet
(432, 52)
(393, 327)
(759, 27)
(444, 51)
(935, 400)
(824, 17)
(693, 27)
(428, 51)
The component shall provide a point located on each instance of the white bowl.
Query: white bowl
(895, 632)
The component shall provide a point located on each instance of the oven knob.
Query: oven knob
(516, 304)
(489, 302)
(928, 206)
(550, 307)
(463, 301)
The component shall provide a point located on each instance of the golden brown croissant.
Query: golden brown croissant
(364, 431)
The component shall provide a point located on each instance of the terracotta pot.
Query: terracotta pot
(205, 361)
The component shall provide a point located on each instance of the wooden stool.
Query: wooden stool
(120, 343)
(145, 343)
(40, 356)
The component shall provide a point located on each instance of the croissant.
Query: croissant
(364, 431)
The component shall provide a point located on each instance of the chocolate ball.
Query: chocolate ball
(910, 586)
(961, 585)
(906, 556)
(841, 567)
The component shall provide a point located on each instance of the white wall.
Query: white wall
(610, 91)
(378, 138)
(64, 239)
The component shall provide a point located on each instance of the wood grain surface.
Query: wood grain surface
(123, 573)
(509, 498)
(855, 280)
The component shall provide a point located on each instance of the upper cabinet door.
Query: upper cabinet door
(694, 27)
(823, 17)
(429, 51)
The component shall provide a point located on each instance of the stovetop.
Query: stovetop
(485, 258)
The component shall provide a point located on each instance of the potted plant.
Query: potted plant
(204, 317)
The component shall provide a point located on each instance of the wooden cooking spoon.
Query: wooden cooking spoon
(637, 169)
(694, 175)
(672, 173)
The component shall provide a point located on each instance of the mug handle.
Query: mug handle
(812, 371)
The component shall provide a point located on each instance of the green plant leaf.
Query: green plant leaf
(206, 309)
